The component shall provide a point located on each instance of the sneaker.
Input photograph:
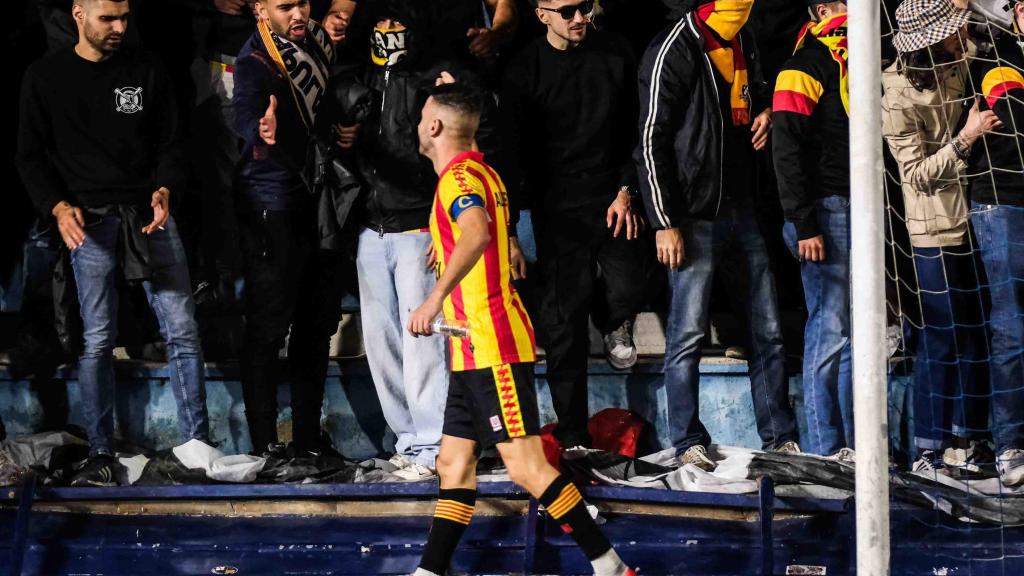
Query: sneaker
(930, 462)
(619, 348)
(415, 473)
(788, 447)
(1011, 467)
(698, 456)
(100, 470)
(844, 456)
(736, 353)
(399, 461)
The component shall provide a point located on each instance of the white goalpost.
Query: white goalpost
(867, 208)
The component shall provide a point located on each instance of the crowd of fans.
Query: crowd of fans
(273, 159)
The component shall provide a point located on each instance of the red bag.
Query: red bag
(616, 430)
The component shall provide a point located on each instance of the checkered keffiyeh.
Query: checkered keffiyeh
(925, 22)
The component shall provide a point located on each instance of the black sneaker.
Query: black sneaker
(100, 470)
(619, 348)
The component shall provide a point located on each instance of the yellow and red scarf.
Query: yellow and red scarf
(832, 33)
(720, 23)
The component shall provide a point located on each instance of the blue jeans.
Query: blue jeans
(1000, 234)
(690, 287)
(409, 373)
(828, 375)
(950, 371)
(170, 295)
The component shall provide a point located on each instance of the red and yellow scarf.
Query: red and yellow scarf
(832, 33)
(720, 23)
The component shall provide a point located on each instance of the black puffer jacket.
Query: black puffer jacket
(679, 158)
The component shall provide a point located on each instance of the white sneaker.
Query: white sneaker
(415, 472)
(698, 456)
(1011, 467)
(619, 348)
(844, 456)
(399, 461)
(789, 447)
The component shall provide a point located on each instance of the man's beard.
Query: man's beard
(106, 44)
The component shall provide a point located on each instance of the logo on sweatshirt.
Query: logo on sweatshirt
(128, 99)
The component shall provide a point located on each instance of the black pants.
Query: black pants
(288, 282)
(573, 244)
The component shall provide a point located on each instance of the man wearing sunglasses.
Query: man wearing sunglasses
(570, 101)
(703, 113)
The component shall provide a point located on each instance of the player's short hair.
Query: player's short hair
(460, 98)
(86, 2)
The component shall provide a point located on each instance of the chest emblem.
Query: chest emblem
(128, 99)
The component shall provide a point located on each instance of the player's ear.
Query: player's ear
(436, 127)
(77, 12)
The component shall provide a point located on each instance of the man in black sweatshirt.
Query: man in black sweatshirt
(570, 101)
(97, 149)
(811, 148)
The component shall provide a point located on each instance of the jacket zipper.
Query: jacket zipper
(380, 130)
(721, 121)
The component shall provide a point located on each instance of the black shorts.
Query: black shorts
(492, 405)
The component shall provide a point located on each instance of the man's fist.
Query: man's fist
(268, 124)
(336, 25)
(232, 7)
(671, 251)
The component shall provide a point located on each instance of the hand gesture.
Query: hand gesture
(760, 126)
(670, 247)
(161, 210)
(812, 249)
(421, 318)
(484, 43)
(620, 214)
(336, 26)
(431, 256)
(445, 77)
(347, 136)
(978, 124)
(516, 259)
(70, 222)
(232, 7)
(268, 124)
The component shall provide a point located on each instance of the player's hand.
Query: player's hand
(670, 247)
(347, 135)
(232, 7)
(336, 26)
(431, 256)
(422, 317)
(268, 124)
(812, 249)
(979, 122)
(620, 215)
(484, 43)
(760, 127)
(516, 259)
(70, 222)
(161, 210)
(445, 77)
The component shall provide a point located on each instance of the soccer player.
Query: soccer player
(491, 397)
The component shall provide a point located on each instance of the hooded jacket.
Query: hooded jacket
(679, 158)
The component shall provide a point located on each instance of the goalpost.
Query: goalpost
(867, 209)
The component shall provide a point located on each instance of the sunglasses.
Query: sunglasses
(569, 12)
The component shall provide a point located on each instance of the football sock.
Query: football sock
(451, 516)
(566, 506)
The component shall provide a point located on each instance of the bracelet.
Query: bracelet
(960, 149)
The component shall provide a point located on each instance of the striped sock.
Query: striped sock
(451, 516)
(565, 505)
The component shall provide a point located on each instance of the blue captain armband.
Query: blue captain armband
(465, 202)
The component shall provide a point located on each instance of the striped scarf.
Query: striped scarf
(832, 33)
(306, 67)
(720, 23)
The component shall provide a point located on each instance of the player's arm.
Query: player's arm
(470, 247)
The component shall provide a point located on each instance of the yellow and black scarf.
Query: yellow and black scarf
(720, 23)
(306, 67)
(832, 33)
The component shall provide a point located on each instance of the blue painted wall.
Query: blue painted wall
(146, 411)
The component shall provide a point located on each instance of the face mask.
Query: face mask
(387, 47)
(726, 17)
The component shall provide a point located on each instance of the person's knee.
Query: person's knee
(455, 467)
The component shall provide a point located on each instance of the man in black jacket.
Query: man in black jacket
(570, 102)
(997, 215)
(811, 152)
(98, 149)
(280, 81)
(699, 93)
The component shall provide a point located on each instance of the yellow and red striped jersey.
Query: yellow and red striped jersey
(500, 331)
